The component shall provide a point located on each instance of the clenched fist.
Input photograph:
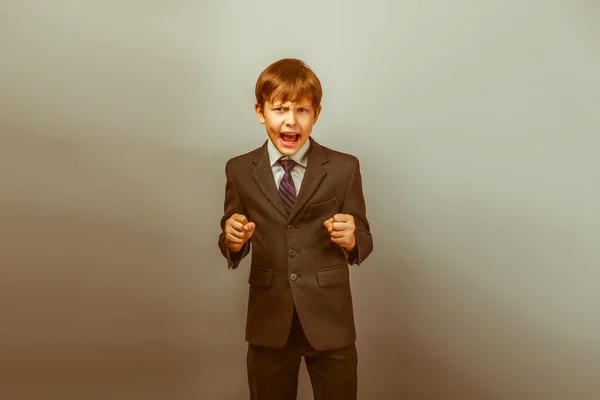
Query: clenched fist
(341, 229)
(237, 231)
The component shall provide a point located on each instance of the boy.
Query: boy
(300, 206)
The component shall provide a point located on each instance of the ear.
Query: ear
(259, 113)
(317, 113)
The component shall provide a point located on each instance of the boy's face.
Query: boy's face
(288, 124)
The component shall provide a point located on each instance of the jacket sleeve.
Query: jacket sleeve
(233, 205)
(354, 204)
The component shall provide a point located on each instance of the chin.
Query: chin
(287, 149)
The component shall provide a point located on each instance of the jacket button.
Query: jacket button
(291, 229)
(293, 276)
(292, 252)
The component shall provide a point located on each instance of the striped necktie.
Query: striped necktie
(287, 189)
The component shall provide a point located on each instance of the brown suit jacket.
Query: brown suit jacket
(294, 261)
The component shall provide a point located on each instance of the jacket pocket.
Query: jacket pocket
(333, 276)
(325, 207)
(260, 277)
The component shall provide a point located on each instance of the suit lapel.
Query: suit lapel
(313, 176)
(263, 175)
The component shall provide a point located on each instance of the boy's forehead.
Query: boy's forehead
(303, 101)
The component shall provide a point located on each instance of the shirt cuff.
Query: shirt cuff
(234, 258)
(351, 256)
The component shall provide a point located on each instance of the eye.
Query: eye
(278, 109)
(302, 109)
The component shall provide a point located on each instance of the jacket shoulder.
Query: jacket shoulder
(344, 160)
(242, 161)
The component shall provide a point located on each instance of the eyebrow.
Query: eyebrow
(298, 106)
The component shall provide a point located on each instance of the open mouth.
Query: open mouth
(289, 139)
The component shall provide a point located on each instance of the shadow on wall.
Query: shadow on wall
(453, 322)
(396, 358)
(87, 310)
(106, 287)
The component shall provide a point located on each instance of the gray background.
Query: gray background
(476, 123)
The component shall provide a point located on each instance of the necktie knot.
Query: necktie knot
(287, 163)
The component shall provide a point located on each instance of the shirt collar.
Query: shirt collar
(301, 157)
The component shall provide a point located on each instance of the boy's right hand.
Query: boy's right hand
(237, 231)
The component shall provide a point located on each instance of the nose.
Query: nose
(290, 117)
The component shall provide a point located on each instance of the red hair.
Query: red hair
(288, 79)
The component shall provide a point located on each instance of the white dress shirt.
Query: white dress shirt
(298, 170)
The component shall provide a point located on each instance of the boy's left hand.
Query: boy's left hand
(341, 229)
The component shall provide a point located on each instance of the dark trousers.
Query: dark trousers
(273, 373)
